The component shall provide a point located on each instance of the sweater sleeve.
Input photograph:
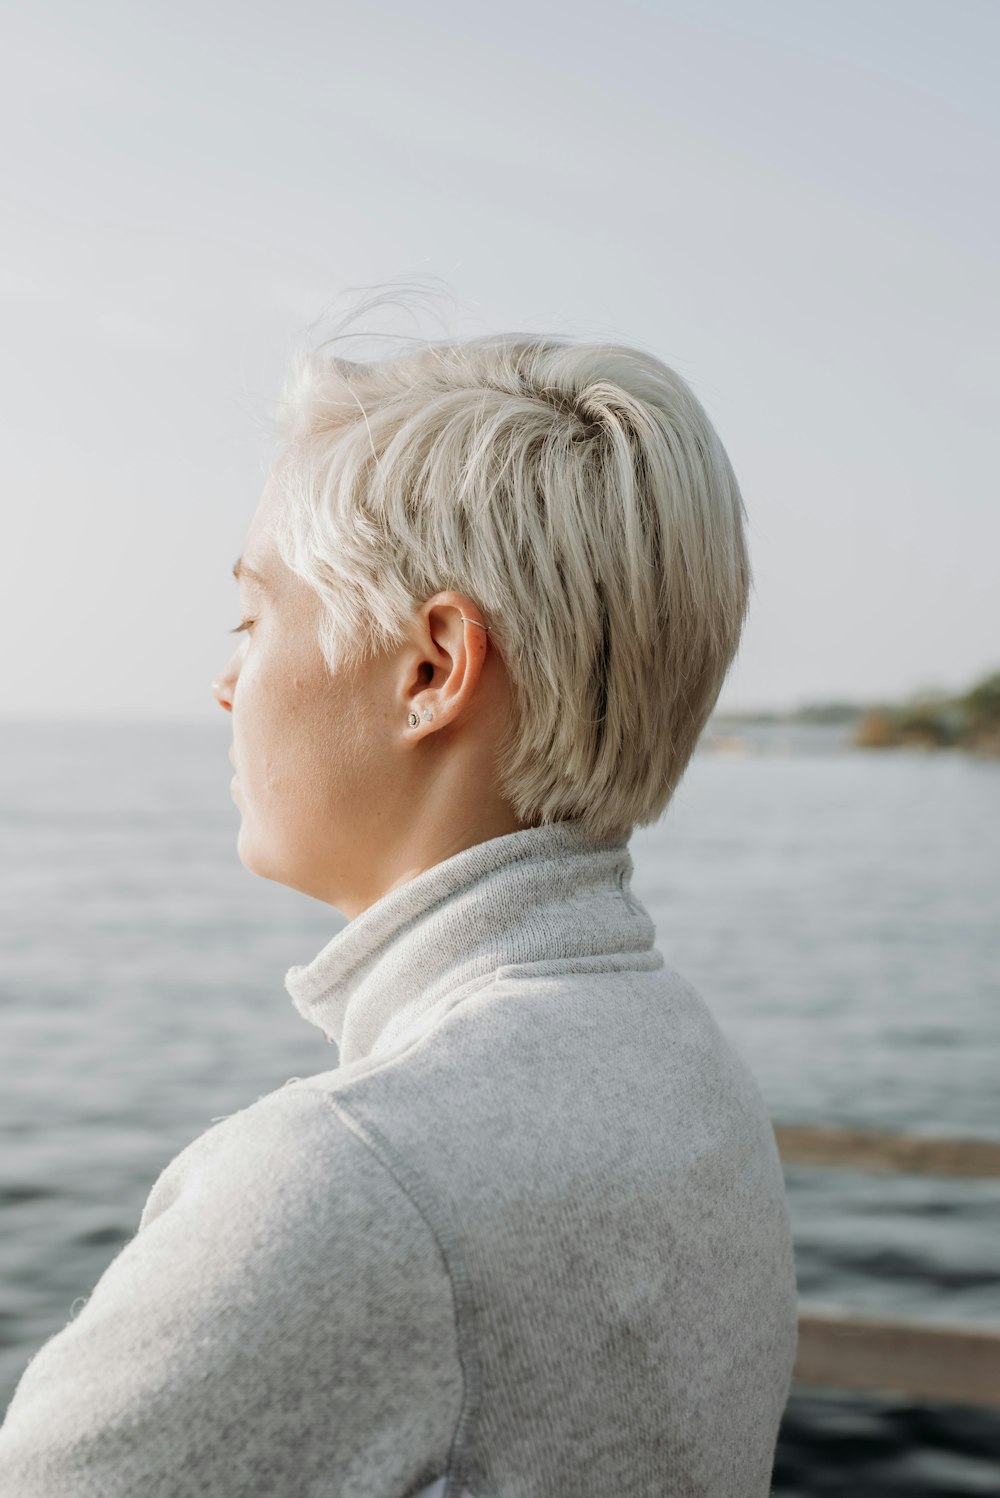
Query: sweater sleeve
(282, 1323)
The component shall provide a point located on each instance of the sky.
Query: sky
(793, 204)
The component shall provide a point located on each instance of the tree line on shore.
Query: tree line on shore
(967, 720)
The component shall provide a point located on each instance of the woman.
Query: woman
(529, 1236)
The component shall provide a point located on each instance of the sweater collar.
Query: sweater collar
(553, 892)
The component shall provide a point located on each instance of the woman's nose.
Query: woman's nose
(223, 692)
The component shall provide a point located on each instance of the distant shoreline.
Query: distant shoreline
(969, 721)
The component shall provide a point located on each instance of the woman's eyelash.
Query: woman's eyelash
(244, 624)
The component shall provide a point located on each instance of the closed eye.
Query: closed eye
(244, 624)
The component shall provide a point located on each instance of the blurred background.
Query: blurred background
(791, 203)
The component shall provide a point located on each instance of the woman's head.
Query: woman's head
(575, 499)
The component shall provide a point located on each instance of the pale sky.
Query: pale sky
(793, 204)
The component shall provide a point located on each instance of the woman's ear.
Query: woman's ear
(452, 642)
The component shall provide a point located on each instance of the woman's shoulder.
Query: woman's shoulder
(290, 1154)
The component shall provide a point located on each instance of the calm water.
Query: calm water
(839, 911)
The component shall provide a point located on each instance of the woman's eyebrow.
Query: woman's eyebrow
(240, 569)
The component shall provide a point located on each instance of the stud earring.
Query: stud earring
(413, 720)
(428, 716)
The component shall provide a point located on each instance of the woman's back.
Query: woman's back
(529, 1237)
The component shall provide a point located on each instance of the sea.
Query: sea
(838, 910)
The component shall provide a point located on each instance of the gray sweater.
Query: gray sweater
(528, 1239)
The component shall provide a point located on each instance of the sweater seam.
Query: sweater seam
(422, 1198)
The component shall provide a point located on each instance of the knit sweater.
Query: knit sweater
(527, 1239)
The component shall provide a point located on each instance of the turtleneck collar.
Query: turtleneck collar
(541, 893)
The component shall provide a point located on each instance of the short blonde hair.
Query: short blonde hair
(579, 494)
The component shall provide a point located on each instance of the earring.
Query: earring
(428, 716)
(413, 720)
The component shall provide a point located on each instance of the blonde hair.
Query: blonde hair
(579, 494)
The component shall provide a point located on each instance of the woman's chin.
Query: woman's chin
(245, 850)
